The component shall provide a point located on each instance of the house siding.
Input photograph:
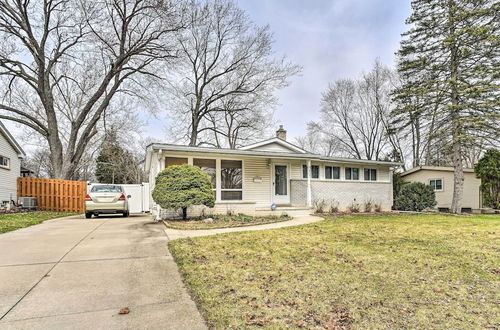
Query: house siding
(255, 191)
(471, 198)
(273, 147)
(343, 193)
(8, 177)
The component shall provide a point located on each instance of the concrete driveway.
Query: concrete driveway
(74, 273)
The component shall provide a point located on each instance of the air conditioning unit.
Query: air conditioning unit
(28, 202)
(5, 205)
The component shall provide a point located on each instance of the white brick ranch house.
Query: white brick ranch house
(252, 178)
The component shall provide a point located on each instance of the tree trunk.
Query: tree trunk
(458, 172)
(184, 213)
(194, 132)
(458, 179)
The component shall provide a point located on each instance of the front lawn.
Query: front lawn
(224, 221)
(9, 222)
(397, 271)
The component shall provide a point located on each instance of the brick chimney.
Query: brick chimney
(281, 133)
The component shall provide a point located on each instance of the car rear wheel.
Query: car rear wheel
(88, 215)
(126, 214)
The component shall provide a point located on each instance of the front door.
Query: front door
(281, 189)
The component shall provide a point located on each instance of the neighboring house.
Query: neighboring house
(11, 154)
(26, 172)
(441, 179)
(252, 178)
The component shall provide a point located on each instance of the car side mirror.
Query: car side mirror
(128, 196)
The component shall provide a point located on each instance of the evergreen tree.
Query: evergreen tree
(488, 170)
(450, 62)
(115, 164)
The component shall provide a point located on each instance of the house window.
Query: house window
(436, 184)
(169, 161)
(4, 162)
(207, 165)
(370, 174)
(352, 173)
(332, 172)
(315, 171)
(231, 180)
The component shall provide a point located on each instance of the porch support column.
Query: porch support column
(218, 182)
(160, 167)
(309, 194)
(161, 161)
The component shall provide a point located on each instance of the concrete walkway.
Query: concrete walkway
(75, 273)
(176, 234)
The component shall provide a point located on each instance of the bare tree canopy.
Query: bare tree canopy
(227, 76)
(354, 113)
(62, 62)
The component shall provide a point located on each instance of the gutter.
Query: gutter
(248, 153)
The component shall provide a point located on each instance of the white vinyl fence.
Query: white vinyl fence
(139, 196)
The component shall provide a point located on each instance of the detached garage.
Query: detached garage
(441, 180)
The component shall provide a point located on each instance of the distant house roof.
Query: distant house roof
(12, 141)
(435, 168)
(27, 170)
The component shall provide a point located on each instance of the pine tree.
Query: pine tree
(450, 61)
(115, 164)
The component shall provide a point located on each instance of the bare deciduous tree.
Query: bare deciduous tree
(242, 120)
(356, 113)
(225, 62)
(318, 141)
(63, 61)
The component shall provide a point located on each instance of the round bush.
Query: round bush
(180, 186)
(415, 196)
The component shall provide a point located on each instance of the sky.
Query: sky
(330, 39)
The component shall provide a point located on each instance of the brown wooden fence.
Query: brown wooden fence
(55, 195)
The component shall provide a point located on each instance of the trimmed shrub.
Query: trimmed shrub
(354, 207)
(180, 186)
(319, 206)
(334, 206)
(415, 196)
(368, 205)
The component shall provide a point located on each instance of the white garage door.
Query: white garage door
(139, 196)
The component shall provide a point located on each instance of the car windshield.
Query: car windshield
(107, 188)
